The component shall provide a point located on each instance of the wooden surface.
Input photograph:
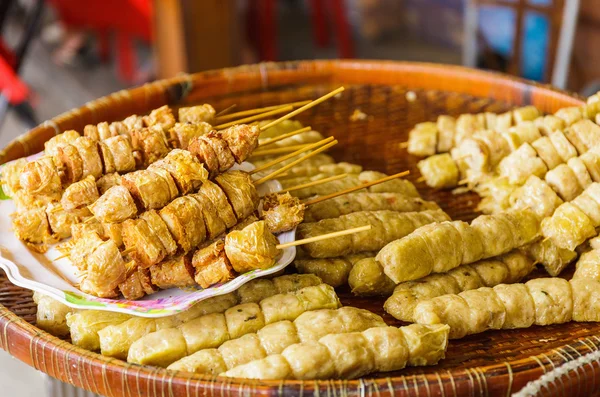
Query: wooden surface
(493, 363)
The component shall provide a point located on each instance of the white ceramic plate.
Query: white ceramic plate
(38, 272)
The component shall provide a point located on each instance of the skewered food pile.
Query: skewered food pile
(538, 175)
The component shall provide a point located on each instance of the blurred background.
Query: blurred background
(59, 54)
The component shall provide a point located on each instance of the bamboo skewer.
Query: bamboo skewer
(324, 237)
(279, 150)
(284, 136)
(225, 111)
(315, 183)
(359, 187)
(252, 112)
(289, 156)
(283, 109)
(303, 108)
(293, 163)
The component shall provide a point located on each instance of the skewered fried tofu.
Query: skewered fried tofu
(97, 132)
(173, 273)
(387, 226)
(217, 197)
(537, 195)
(80, 194)
(11, 174)
(160, 230)
(33, 229)
(422, 139)
(240, 191)
(52, 144)
(105, 270)
(147, 249)
(441, 247)
(107, 181)
(212, 265)
(520, 164)
(183, 132)
(185, 169)
(241, 139)
(282, 212)
(253, 247)
(183, 217)
(213, 151)
(119, 151)
(161, 117)
(197, 114)
(137, 285)
(150, 188)
(215, 226)
(440, 171)
(151, 143)
(114, 206)
(40, 177)
(90, 156)
(69, 156)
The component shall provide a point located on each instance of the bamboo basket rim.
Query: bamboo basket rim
(31, 345)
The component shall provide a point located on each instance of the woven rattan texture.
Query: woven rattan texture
(394, 96)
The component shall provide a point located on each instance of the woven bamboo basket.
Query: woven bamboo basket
(394, 96)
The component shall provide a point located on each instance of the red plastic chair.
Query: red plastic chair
(128, 19)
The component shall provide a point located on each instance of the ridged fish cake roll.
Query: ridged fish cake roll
(294, 282)
(520, 308)
(564, 182)
(518, 264)
(440, 171)
(85, 324)
(309, 360)
(568, 227)
(333, 271)
(209, 361)
(321, 296)
(591, 159)
(407, 295)
(486, 310)
(365, 201)
(446, 309)
(472, 244)
(256, 290)
(52, 316)
(426, 343)
(271, 367)
(242, 350)
(244, 319)
(588, 133)
(588, 266)
(115, 340)
(553, 300)
(353, 355)
(492, 272)
(159, 349)
(428, 248)
(313, 325)
(586, 300)
(367, 278)
(217, 304)
(553, 258)
(274, 338)
(390, 347)
(205, 332)
(496, 233)
(466, 277)
(569, 115)
(281, 307)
